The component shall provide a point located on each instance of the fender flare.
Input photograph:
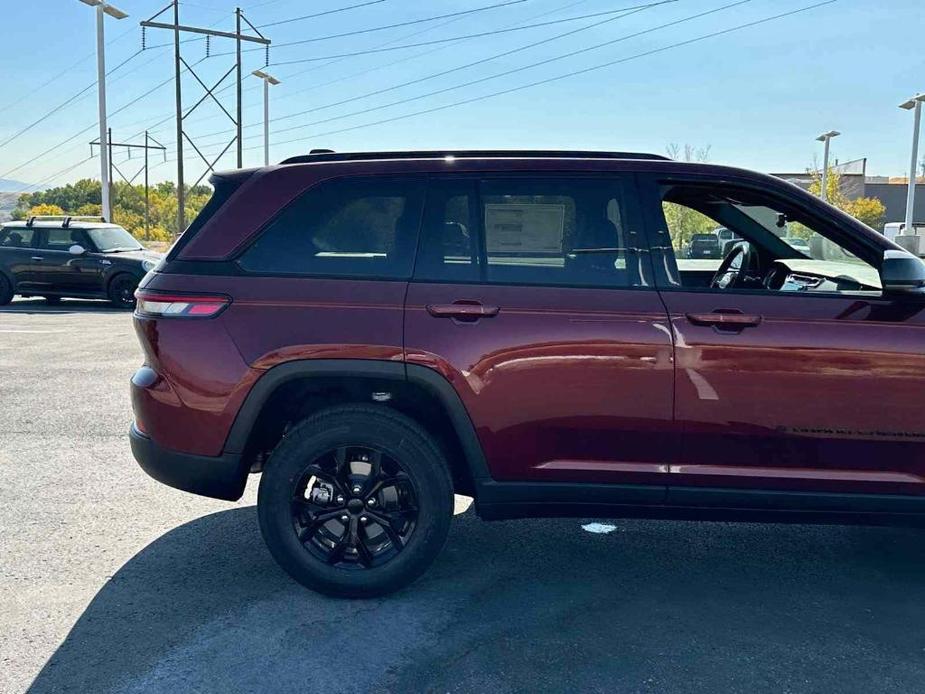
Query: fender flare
(428, 379)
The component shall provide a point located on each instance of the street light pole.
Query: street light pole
(914, 104)
(268, 79)
(825, 138)
(105, 179)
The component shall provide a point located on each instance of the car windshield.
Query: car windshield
(111, 239)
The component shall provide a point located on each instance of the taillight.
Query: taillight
(155, 305)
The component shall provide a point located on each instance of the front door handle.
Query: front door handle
(729, 319)
(37, 258)
(463, 310)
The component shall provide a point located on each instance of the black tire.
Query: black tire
(122, 291)
(52, 300)
(6, 290)
(395, 438)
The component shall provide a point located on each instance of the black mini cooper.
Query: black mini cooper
(71, 257)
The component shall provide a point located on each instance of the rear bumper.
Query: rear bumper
(221, 477)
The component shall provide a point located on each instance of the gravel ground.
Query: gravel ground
(110, 582)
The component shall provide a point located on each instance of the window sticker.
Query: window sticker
(524, 228)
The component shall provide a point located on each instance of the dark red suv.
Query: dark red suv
(374, 332)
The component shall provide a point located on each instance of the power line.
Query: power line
(90, 127)
(539, 63)
(288, 77)
(493, 32)
(63, 104)
(626, 12)
(66, 70)
(370, 30)
(321, 14)
(49, 179)
(290, 94)
(563, 76)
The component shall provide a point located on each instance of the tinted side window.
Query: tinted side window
(62, 239)
(355, 228)
(17, 237)
(574, 232)
(449, 237)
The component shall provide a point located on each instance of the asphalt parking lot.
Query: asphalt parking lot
(110, 582)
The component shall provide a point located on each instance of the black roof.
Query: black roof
(328, 155)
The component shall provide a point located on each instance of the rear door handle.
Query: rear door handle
(464, 311)
(37, 258)
(725, 318)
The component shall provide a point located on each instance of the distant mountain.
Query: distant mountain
(8, 186)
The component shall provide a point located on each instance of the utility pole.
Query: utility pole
(915, 105)
(179, 64)
(826, 137)
(240, 90)
(147, 192)
(268, 79)
(129, 147)
(108, 141)
(181, 195)
(103, 8)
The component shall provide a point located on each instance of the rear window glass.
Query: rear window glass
(356, 228)
(17, 237)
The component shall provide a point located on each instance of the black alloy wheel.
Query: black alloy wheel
(122, 291)
(356, 501)
(354, 508)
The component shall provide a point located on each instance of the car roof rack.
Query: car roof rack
(83, 217)
(66, 219)
(318, 155)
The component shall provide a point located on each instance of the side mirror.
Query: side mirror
(902, 273)
(76, 249)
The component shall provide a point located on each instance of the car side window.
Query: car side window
(722, 237)
(61, 239)
(343, 228)
(567, 232)
(448, 249)
(17, 237)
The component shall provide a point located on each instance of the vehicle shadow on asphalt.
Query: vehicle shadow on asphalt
(537, 605)
(38, 306)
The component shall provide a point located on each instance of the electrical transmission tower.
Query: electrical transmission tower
(147, 146)
(179, 63)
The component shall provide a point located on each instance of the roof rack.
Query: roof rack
(317, 155)
(66, 219)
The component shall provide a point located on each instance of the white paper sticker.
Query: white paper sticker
(524, 228)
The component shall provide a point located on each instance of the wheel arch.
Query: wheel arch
(291, 391)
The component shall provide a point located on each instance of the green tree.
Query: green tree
(82, 198)
(683, 222)
(44, 208)
(870, 211)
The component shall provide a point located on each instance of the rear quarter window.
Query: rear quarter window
(224, 186)
(344, 228)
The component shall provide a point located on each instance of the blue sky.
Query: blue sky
(757, 96)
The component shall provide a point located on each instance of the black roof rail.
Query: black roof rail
(44, 218)
(95, 217)
(65, 218)
(319, 155)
